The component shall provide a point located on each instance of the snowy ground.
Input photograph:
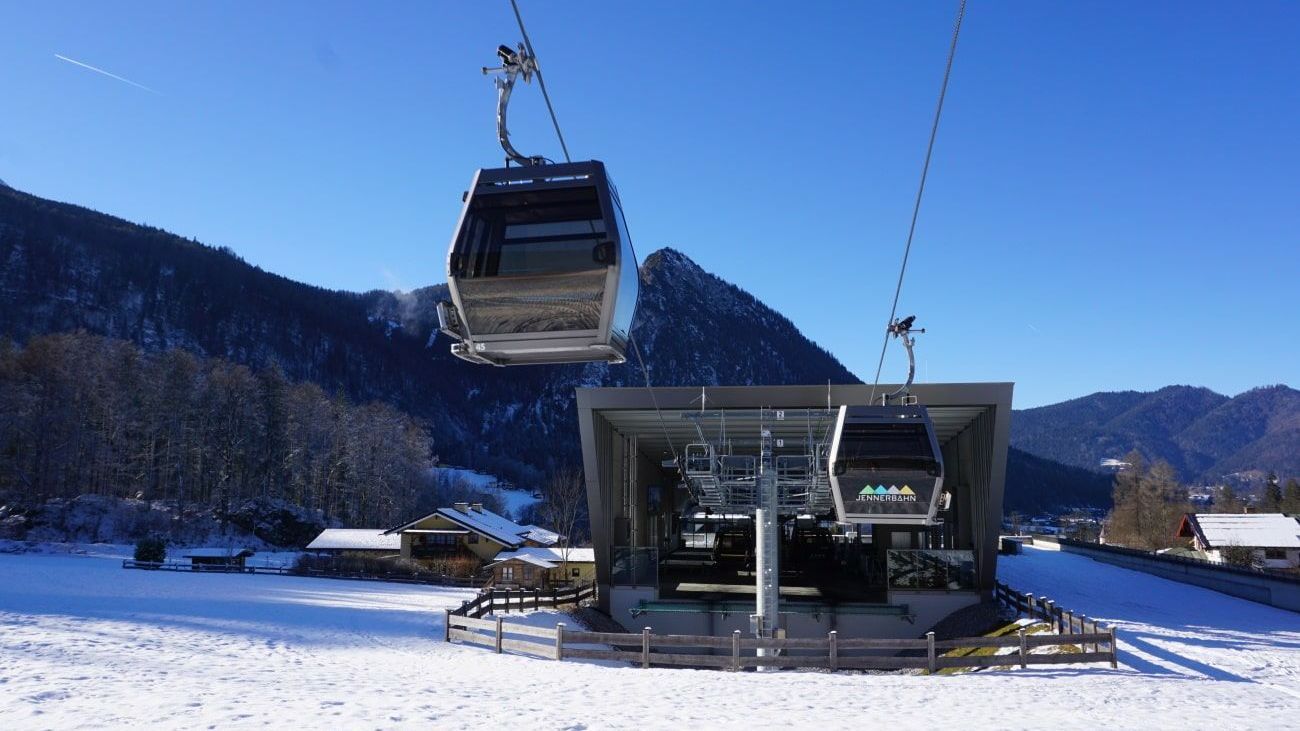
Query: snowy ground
(86, 644)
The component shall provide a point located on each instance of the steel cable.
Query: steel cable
(920, 191)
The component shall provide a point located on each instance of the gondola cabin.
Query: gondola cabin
(886, 465)
(541, 268)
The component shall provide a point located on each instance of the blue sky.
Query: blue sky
(1113, 201)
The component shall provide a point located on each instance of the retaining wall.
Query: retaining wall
(1278, 591)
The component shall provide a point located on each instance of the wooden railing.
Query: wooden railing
(522, 599)
(1064, 622)
(736, 652)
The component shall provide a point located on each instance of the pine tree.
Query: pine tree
(1123, 525)
(1291, 497)
(1272, 499)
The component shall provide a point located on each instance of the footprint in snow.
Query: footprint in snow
(48, 695)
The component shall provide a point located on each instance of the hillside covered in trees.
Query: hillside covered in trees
(87, 415)
(1202, 435)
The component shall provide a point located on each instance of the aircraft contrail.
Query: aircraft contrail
(110, 75)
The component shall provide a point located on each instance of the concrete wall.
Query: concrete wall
(1278, 592)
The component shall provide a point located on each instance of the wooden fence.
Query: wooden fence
(522, 599)
(737, 652)
(1063, 621)
(395, 577)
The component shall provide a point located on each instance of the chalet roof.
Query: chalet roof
(526, 558)
(538, 534)
(1249, 530)
(487, 523)
(355, 539)
(553, 555)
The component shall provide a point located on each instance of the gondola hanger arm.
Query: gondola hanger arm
(515, 62)
(902, 329)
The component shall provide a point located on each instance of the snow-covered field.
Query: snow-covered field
(86, 644)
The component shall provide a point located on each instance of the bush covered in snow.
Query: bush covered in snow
(151, 549)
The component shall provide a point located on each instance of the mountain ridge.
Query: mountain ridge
(67, 267)
(1206, 436)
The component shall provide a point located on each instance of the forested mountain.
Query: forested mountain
(68, 268)
(1202, 434)
(88, 415)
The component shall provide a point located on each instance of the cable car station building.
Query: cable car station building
(679, 554)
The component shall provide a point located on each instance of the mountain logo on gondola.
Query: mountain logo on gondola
(891, 494)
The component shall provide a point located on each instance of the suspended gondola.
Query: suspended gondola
(886, 465)
(541, 268)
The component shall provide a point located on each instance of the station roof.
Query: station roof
(631, 411)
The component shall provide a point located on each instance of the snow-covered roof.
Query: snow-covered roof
(1250, 530)
(355, 539)
(483, 521)
(526, 558)
(538, 534)
(216, 552)
(553, 554)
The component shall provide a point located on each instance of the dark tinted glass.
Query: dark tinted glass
(883, 441)
(528, 233)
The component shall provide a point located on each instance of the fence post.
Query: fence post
(1029, 599)
(645, 647)
(929, 652)
(559, 641)
(735, 650)
(1023, 648)
(833, 640)
(446, 628)
(498, 635)
(1114, 650)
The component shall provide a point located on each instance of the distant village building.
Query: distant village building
(1272, 539)
(367, 541)
(544, 568)
(467, 529)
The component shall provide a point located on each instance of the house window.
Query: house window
(577, 572)
(1278, 554)
(473, 538)
(528, 574)
(507, 573)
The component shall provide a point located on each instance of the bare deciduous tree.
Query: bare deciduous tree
(564, 499)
